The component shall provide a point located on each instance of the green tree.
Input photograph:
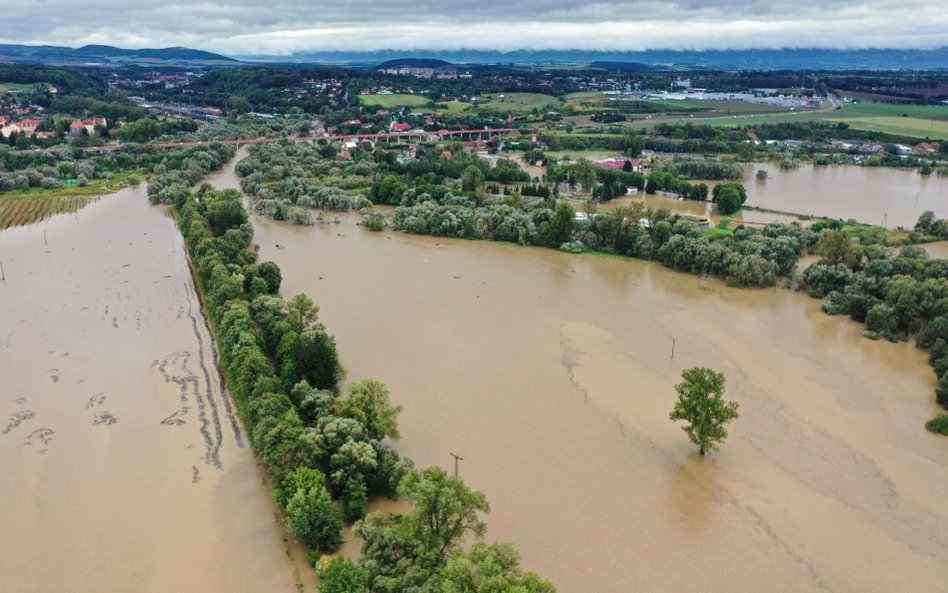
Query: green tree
(355, 498)
(701, 405)
(302, 314)
(392, 559)
(837, 248)
(490, 568)
(472, 179)
(339, 575)
(584, 172)
(445, 509)
(302, 478)
(368, 402)
(314, 518)
(270, 272)
(729, 197)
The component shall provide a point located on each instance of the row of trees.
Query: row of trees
(173, 172)
(324, 449)
(703, 169)
(752, 257)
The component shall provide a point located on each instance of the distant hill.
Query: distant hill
(412, 63)
(106, 55)
(751, 59)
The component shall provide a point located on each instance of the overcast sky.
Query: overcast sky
(241, 27)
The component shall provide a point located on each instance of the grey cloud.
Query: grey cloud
(281, 26)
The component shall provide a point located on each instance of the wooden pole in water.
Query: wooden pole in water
(3, 275)
(674, 340)
(456, 459)
(45, 242)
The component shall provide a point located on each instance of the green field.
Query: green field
(919, 121)
(7, 86)
(453, 107)
(395, 100)
(519, 102)
(902, 126)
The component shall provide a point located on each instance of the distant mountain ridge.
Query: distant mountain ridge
(107, 55)
(413, 63)
(751, 59)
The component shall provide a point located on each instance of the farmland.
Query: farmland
(27, 209)
(915, 121)
(518, 102)
(394, 100)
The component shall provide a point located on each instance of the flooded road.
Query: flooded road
(124, 465)
(551, 375)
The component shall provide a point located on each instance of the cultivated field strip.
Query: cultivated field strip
(21, 210)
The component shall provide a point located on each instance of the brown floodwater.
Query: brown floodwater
(871, 195)
(666, 201)
(551, 375)
(124, 465)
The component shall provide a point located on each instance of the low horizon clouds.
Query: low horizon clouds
(282, 27)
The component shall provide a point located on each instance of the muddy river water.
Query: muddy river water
(551, 375)
(872, 195)
(124, 467)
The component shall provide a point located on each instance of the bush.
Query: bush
(938, 424)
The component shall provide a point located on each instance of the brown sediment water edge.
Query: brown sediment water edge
(120, 450)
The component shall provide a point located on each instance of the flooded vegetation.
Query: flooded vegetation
(827, 481)
(122, 453)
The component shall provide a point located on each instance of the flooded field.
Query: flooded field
(551, 375)
(872, 195)
(662, 200)
(124, 465)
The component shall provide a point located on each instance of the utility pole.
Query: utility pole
(456, 459)
(674, 340)
(45, 242)
(3, 276)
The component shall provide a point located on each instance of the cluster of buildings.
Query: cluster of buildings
(24, 126)
(168, 80)
(30, 127)
(329, 87)
(447, 72)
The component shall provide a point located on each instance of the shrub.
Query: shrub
(938, 424)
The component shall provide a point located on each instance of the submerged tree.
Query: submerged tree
(700, 403)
